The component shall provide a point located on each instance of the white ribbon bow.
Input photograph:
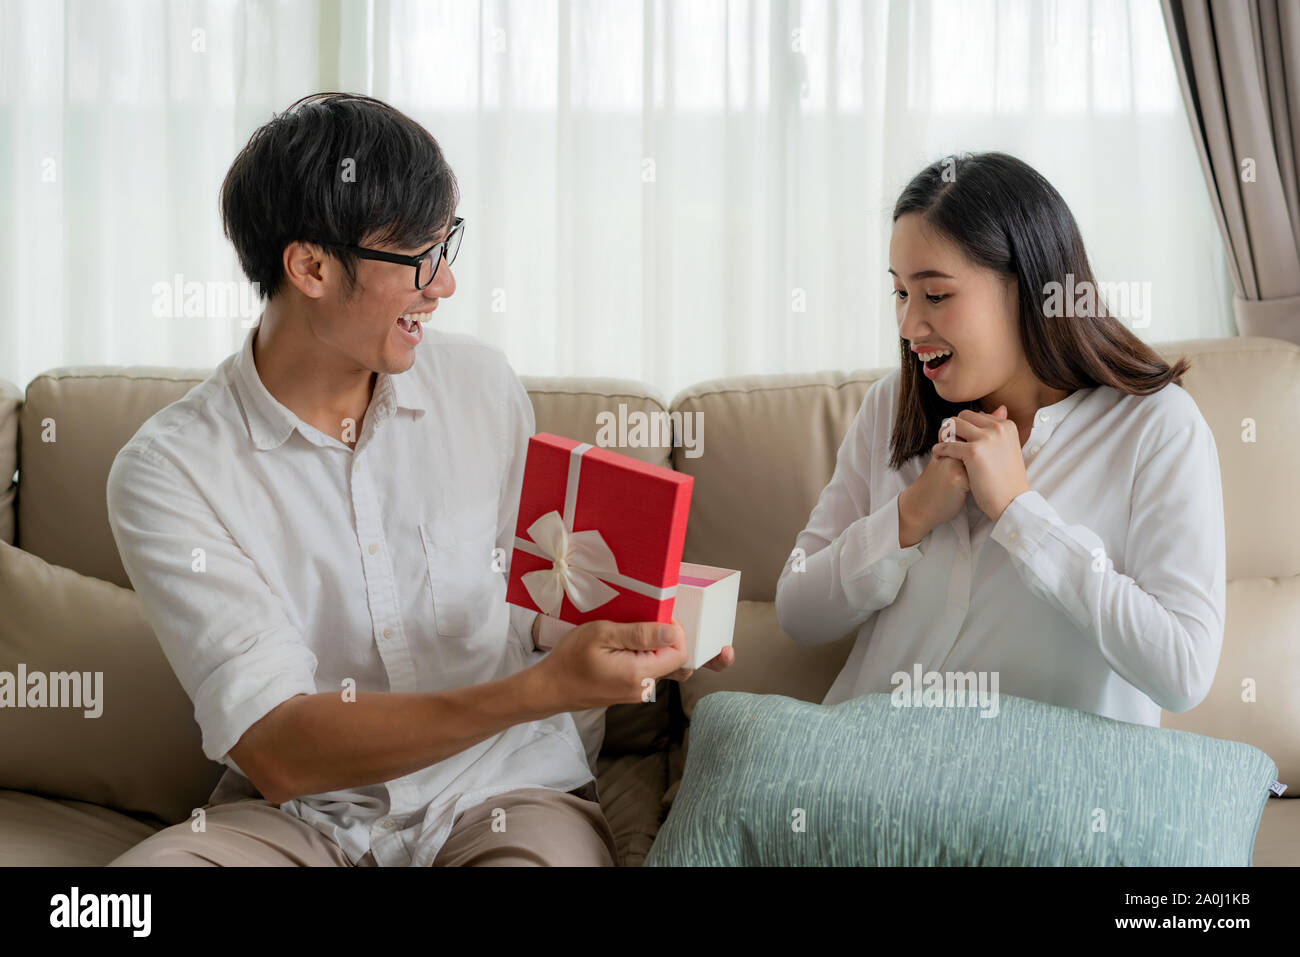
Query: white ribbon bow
(577, 558)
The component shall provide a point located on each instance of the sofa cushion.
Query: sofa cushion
(142, 753)
(771, 781)
(44, 832)
(51, 832)
(1254, 696)
(1278, 841)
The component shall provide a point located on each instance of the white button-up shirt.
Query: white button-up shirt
(273, 560)
(1100, 589)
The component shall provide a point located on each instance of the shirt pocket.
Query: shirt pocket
(458, 553)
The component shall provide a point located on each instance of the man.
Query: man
(312, 533)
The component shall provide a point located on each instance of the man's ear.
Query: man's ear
(307, 268)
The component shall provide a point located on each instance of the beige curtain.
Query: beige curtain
(1239, 67)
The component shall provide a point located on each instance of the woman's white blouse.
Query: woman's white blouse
(1102, 588)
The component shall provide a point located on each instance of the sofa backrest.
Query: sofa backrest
(768, 449)
(11, 401)
(74, 420)
(769, 445)
(72, 423)
(787, 429)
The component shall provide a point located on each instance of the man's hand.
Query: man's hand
(725, 659)
(604, 663)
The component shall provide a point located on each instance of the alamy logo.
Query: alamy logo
(1086, 300)
(639, 430)
(55, 689)
(207, 300)
(102, 910)
(946, 689)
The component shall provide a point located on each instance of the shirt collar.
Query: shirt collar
(1049, 417)
(1053, 414)
(270, 422)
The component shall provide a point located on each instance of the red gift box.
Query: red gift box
(599, 534)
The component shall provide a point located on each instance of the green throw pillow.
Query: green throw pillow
(773, 781)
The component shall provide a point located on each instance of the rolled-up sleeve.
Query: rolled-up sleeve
(222, 629)
(1158, 622)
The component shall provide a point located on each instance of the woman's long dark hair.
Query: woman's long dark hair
(1007, 217)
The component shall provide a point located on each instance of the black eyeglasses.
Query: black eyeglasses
(426, 264)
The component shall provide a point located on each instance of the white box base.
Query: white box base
(707, 612)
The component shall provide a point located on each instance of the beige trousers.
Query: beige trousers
(546, 828)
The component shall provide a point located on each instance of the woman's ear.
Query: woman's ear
(1011, 292)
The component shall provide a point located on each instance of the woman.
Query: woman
(1069, 536)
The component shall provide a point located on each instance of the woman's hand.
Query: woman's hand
(989, 448)
(936, 496)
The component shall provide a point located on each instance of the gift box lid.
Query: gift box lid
(640, 510)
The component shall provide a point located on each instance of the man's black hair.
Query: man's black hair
(337, 169)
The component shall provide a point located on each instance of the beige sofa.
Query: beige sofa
(75, 790)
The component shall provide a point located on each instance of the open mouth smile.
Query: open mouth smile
(933, 361)
(409, 324)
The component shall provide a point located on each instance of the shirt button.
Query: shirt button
(388, 632)
(1044, 417)
(1013, 536)
(373, 548)
(1032, 450)
(386, 823)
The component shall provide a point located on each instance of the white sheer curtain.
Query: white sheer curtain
(118, 120)
(664, 190)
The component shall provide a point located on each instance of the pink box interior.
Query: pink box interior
(697, 582)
